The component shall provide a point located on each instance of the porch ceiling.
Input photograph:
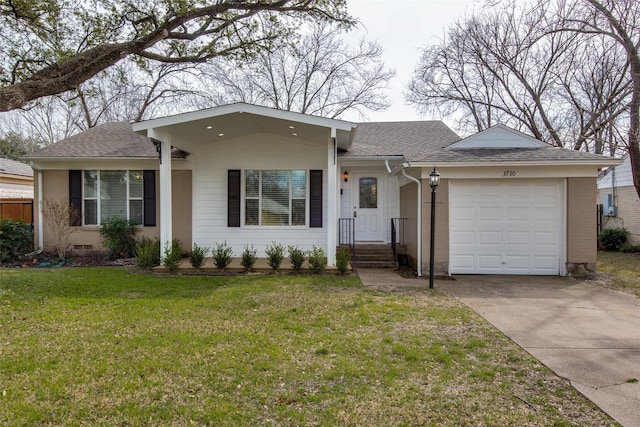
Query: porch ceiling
(238, 120)
(237, 125)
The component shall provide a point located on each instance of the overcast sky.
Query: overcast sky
(402, 27)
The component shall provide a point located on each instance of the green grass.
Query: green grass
(622, 269)
(104, 346)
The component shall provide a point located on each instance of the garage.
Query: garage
(510, 226)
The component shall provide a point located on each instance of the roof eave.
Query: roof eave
(242, 108)
(74, 159)
(596, 163)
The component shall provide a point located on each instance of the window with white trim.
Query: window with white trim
(275, 197)
(108, 194)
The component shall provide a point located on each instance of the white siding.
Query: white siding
(258, 151)
(623, 176)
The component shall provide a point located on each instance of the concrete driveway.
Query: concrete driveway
(583, 332)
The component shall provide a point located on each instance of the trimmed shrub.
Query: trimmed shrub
(249, 257)
(222, 254)
(172, 255)
(148, 252)
(118, 235)
(612, 239)
(630, 248)
(16, 239)
(198, 255)
(317, 260)
(342, 259)
(275, 255)
(297, 257)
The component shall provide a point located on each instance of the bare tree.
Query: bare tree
(516, 65)
(320, 75)
(51, 47)
(617, 20)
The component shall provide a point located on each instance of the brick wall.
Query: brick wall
(628, 216)
(582, 250)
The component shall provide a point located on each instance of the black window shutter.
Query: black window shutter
(233, 198)
(75, 195)
(315, 198)
(149, 190)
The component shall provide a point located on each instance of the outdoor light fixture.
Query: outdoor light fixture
(345, 175)
(434, 181)
(434, 178)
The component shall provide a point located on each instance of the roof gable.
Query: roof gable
(342, 130)
(498, 136)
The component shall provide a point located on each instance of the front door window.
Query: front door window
(368, 193)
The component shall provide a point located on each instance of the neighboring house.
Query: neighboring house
(16, 180)
(16, 190)
(618, 196)
(250, 175)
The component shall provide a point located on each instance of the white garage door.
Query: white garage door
(505, 227)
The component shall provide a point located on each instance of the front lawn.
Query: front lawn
(104, 346)
(621, 269)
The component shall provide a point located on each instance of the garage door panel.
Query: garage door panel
(517, 262)
(463, 238)
(490, 238)
(517, 238)
(489, 261)
(505, 227)
(546, 239)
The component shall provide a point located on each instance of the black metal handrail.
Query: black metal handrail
(347, 232)
(397, 234)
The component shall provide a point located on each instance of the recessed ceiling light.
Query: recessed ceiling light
(295, 134)
(291, 127)
(209, 127)
(221, 134)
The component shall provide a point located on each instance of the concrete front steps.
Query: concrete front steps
(373, 256)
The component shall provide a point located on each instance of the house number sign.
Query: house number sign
(508, 173)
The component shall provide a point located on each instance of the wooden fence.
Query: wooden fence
(17, 209)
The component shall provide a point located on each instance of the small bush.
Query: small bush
(275, 255)
(317, 260)
(198, 255)
(612, 239)
(222, 254)
(342, 259)
(15, 239)
(118, 235)
(148, 252)
(249, 257)
(297, 257)
(630, 248)
(172, 255)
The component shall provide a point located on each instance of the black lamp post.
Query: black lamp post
(434, 181)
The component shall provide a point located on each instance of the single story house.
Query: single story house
(16, 180)
(252, 175)
(16, 190)
(619, 199)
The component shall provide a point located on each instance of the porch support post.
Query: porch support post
(40, 212)
(332, 198)
(166, 232)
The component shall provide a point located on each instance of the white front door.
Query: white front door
(367, 207)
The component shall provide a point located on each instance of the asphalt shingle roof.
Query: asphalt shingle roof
(428, 141)
(412, 140)
(12, 167)
(416, 141)
(114, 139)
